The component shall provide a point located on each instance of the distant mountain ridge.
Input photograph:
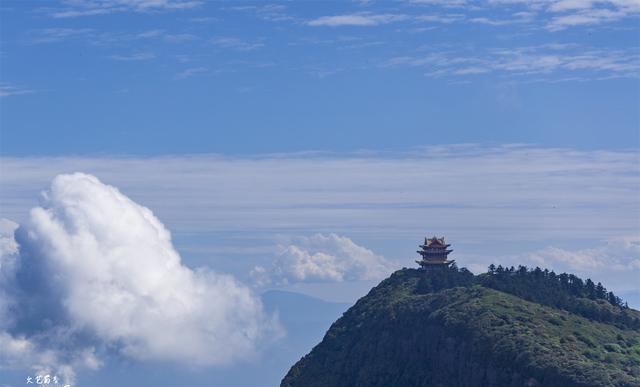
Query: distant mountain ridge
(296, 309)
(449, 328)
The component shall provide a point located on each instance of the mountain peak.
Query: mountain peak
(428, 328)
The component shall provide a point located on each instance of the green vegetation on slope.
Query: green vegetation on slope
(564, 291)
(449, 328)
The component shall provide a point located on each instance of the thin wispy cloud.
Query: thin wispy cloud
(518, 18)
(551, 15)
(190, 72)
(233, 43)
(134, 57)
(573, 13)
(12, 90)
(590, 63)
(268, 12)
(358, 19)
(513, 16)
(80, 8)
(70, 13)
(441, 18)
(585, 17)
(444, 3)
(526, 192)
(204, 19)
(93, 37)
(53, 35)
(150, 35)
(554, 15)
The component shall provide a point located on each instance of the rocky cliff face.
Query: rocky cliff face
(405, 334)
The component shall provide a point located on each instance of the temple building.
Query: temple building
(434, 253)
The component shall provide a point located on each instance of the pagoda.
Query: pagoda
(434, 253)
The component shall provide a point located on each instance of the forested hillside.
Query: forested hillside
(507, 327)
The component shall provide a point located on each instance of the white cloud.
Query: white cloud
(190, 72)
(566, 5)
(585, 17)
(51, 35)
(323, 258)
(94, 38)
(22, 353)
(235, 43)
(157, 33)
(358, 19)
(529, 193)
(547, 60)
(554, 15)
(626, 6)
(518, 17)
(95, 264)
(8, 262)
(268, 12)
(615, 254)
(446, 18)
(138, 56)
(445, 3)
(17, 350)
(150, 34)
(571, 13)
(614, 261)
(78, 8)
(509, 197)
(9, 90)
(8, 244)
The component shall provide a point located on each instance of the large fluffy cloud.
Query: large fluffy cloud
(323, 258)
(8, 262)
(95, 269)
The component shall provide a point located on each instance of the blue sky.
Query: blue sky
(297, 146)
(129, 77)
